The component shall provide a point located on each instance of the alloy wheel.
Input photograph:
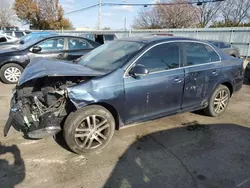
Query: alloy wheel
(12, 74)
(221, 101)
(92, 132)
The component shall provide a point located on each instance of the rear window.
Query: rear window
(198, 53)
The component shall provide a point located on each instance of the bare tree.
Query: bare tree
(174, 14)
(235, 12)
(7, 14)
(148, 19)
(208, 12)
(179, 15)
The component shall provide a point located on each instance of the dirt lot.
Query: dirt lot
(169, 152)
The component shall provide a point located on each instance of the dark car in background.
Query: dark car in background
(119, 83)
(18, 34)
(226, 47)
(14, 59)
(5, 39)
(100, 38)
(247, 72)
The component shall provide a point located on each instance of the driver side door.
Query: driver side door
(160, 92)
(53, 48)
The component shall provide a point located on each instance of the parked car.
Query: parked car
(119, 83)
(4, 39)
(14, 60)
(247, 72)
(100, 38)
(18, 34)
(226, 47)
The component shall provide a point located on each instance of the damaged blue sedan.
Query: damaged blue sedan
(119, 83)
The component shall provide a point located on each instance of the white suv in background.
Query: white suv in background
(5, 39)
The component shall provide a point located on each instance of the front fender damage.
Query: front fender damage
(89, 93)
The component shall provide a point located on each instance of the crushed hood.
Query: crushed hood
(41, 67)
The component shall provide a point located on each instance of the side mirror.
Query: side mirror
(21, 42)
(36, 49)
(139, 70)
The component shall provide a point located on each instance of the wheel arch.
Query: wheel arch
(8, 62)
(229, 85)
(113, 111)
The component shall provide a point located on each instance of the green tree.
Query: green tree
(42, 14)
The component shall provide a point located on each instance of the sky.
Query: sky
(112, 17)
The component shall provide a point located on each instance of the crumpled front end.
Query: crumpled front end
(39, 106)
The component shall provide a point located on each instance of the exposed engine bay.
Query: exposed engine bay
(42, 103)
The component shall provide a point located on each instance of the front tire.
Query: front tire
(218, 102)
(89, 130)
(10, 73)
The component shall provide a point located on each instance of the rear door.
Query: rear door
(159, 92)
(77, 47)
(202, 71)
(53, 48)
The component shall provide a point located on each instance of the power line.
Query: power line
(82, 9)
(198, 2)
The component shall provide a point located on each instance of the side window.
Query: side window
(197, 53)
(108, 37)
(161, 57)
(3, 39)
(52, 45)
(78, 44)
(213, 56)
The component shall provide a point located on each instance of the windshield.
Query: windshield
(110, 56)
(32, 36)
(28, 37)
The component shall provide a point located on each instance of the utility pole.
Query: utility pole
(100, 15)
(125, 23)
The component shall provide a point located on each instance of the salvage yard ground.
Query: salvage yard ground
(186, 150)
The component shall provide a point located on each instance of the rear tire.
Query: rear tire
(218, 102)
(10, 73)
(89, 130)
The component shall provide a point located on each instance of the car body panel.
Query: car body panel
(200, 82)
(41, 67)
(157, 94)
(143, 97)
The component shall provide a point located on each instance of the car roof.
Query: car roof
(217, 41)
(156, 39)
(42, 32)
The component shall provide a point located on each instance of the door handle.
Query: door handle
(178, 80)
